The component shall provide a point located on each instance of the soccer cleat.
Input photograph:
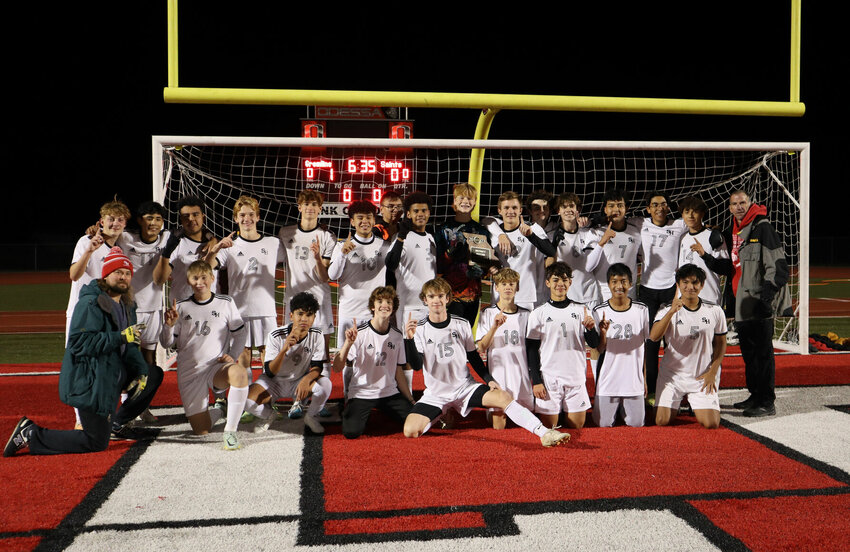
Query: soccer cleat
(128, 433)
(147, 417)
(760, 411)
(324, 413)
(247, 418)
(261, 425)
(553, 438)
(313, 424)
(650, 400)
(221, 404)
(278, 415)
(18, 440)
(297, 411)
(231, 442)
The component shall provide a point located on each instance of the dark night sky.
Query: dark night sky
(86, 87)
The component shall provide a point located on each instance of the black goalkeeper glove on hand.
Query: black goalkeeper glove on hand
(405, 227)
(172, 243)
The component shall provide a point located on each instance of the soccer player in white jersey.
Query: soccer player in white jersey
(295, 355)
(413, 256)
(527, 252)
(501, 335)
(250, 260)
(578, 247)
(87, 260)
(374, 352)
(359, 266)
(704, 247)
(620, 241)
(309, 247)
(209, 336)
(660, 238)
(557, 360)
(694, 334)
(143, 248)
(623, 328)
(187, 244)
(442, 344)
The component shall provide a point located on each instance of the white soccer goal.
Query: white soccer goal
(274, 170)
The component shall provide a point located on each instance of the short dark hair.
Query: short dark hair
(390, 195)
(615, 194)
(689, 270)
(568, 197)
(190, 201)
(362, 207)
(150, 208)
(304, 301)
(694, 203)
(559, 268)
(417, 197)
(538, 194)
(659, 193)
(619, 269)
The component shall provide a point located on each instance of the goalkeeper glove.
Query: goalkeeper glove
(136, 387)
(132, 333)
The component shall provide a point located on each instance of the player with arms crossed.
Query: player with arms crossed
(295, 355)
(623, 328)
(209, 335)
(250, 260)
(374, 352)
(442, 344)
(695, 335)
(386, 225)
(557, 360)
(501, 334)
(705, 248)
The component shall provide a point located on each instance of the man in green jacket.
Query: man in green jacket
(102, 359)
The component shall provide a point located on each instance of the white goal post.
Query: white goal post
(274, 170)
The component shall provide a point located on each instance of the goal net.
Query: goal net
(218, 170)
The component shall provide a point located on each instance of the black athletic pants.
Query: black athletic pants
(467, 310)
(756, 340)
(94, 436)
(357, 412)
(653, 299)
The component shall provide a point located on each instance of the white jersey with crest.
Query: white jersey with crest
(301, 272)
(660, 245)
(526, 260)
(689, 340)
(622, 248)
(145, 257)
(581, 252)
(507, 361)
(188, 251)
(561, 335)
(250, 266)
(94, 268)
(203, 333)
(417, 265)
(620, 370)
(359, 272)
(298, 359)
(444, 347)
(714, 245)
(374, 357)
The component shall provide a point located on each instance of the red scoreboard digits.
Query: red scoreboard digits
(347, 178)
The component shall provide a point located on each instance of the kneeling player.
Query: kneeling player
(621, 371)
(557, 361)
(209, 334)
(695, 335)
(375, 352)
(442, 344)
(295, 355)
(501, 334)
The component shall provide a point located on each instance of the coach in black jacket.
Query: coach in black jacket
(760, 272)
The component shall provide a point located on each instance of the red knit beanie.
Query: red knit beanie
(114, 260)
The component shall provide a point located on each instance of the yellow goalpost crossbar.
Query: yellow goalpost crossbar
(174, 93)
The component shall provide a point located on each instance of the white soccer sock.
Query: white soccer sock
(215, 415)
(263, 411)
(523, 417)
(321, 392)
(593, 362)
(347, 373)
(235, 405)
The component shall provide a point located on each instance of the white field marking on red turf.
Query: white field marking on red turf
(184, 477)
(633, 530)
